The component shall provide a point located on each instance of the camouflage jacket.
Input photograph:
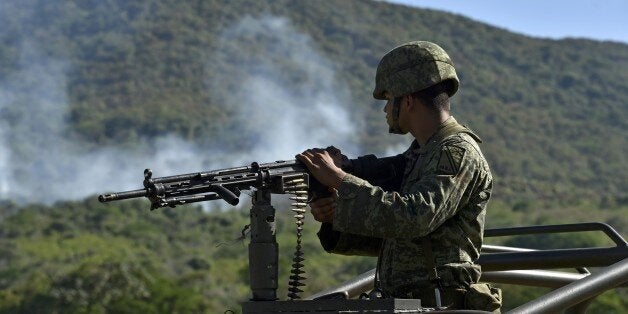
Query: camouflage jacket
(442, 195)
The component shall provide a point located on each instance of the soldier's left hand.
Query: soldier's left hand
(323, 209)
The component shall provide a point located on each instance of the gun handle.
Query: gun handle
(226, 194)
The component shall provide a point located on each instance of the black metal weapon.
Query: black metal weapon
(280, 177)
(223, 184)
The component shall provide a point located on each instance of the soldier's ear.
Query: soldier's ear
(410, 101)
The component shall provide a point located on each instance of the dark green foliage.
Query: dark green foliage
(124, 258)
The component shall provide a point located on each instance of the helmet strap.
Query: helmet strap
(395, 128)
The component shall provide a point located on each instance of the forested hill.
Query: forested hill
(552, 113)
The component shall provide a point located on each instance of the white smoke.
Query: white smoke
(289, 98)
(40, 162)
(5, 156)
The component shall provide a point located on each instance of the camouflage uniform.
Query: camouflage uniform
(422, 210)
(439, 192)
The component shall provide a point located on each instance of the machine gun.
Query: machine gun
(280, 177)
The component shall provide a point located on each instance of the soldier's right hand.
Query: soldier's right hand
(337, 156)
(323, 209)
(322, 166)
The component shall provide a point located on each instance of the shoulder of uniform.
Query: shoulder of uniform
(462, 140)
(457, 150)
(450, 159)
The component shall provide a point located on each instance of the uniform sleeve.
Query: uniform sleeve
(433, 197)
(383, 172)
(346, 243)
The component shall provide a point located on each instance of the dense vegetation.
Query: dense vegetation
(552, 114)
(86, 257)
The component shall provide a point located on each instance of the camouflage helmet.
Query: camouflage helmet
(412, 67)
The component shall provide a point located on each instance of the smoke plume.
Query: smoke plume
(283, 100)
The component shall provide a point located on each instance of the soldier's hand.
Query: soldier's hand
(337, 156)
(323, 209)
(322, 166)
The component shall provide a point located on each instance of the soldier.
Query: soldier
(421, 212)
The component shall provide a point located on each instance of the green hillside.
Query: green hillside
(552, 114)
(87, 257)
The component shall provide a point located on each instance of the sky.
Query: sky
(593, 19)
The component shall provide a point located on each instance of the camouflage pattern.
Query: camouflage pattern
(412, 67)
(443, 196)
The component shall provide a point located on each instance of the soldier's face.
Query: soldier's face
(394, 114)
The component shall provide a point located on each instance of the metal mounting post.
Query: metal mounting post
(263, 248)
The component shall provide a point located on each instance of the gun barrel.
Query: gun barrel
(122, 195)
